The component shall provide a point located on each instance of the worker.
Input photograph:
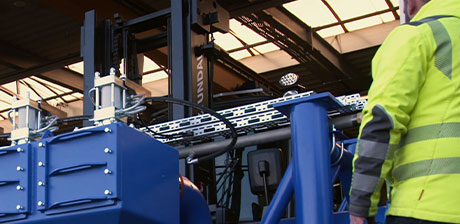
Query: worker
(410, 134)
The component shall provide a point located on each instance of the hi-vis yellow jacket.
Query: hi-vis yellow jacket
(411, 125)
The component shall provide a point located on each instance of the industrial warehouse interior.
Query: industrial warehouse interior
(184, 111)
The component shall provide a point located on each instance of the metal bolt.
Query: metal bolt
(41, 203)
(107, 192)
(107, 130)
(42, 164)
(19, 188)
(19, 207)
(40, 183)
(19, 168)
(107, 171)
(107, 150)
(40, 144)
(20, 150)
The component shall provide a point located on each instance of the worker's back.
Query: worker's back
(426, 162)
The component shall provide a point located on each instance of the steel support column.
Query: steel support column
(178, 60)
(311, 156)
(310, 146)
(89, 56)
(281, 198)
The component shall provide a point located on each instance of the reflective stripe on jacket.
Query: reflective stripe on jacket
(411, 124)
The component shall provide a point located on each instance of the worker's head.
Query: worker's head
(409, 8)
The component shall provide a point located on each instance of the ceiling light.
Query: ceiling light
(289, 79)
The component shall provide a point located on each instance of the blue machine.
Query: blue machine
(106, 174)
(310, 173)
(117, 174)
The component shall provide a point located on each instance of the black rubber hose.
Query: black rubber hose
(75, 118)
(233, 133)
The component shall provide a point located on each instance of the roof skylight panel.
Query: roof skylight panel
(353, 8)
(331, 31)
(312, 12)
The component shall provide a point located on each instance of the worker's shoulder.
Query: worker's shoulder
(428, 20)
(416, 30)
(405, 34)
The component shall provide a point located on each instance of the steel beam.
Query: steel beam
(65, 78)
(39, 68)
(149, 21)
(303, 44)
(238, 8)
(226, 60)
(324, 52)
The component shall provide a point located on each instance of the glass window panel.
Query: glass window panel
(4, 105)
(5, 102)
(149, 65)
(312, 12)
(69, 97)
(244, 33)
(53, 102)
(363, 23)
(5, 114)
(42, 90)
(11, 86)
(379, 5)
(6, 97)
(353, 8)
(226, 41)
(331, 31)
(55, 87)
(25, 89)
(395, 2)
(270, 61)
(240, 54)
(154, 76)
(122, 68)
(77, 95)
(77, 67)
(387, 17)
(266, 48)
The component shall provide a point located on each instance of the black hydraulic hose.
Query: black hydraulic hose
(74, 118)
(233, 133)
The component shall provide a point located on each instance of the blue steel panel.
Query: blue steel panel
(41, 175)
(143, 180)
(14, 179)
(77, 161)
(151, 181)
